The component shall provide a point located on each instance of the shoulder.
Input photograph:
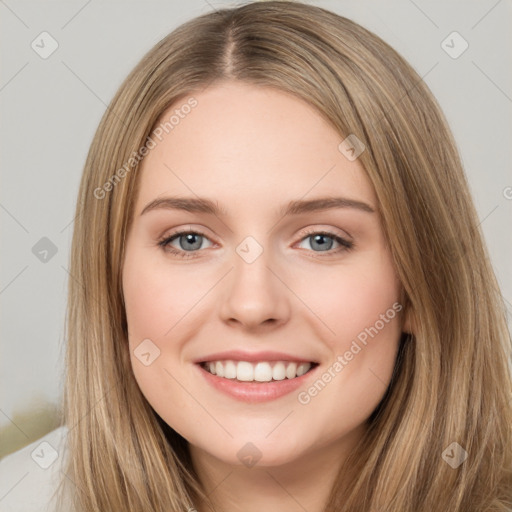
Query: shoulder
(30, 476)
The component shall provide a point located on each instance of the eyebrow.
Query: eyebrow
(295, 207)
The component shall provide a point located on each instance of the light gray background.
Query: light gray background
(50, 109)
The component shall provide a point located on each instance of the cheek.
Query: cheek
(155, 303)
(349, 299)
(157, 296)
(360, 304)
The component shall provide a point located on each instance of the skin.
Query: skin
(252, 150)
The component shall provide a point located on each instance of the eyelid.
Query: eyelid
(184, 231)
(329, 230)
(346, 243)
(171, 233)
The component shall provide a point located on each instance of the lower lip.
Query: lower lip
(255, 392)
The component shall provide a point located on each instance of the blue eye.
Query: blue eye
(318, 240)
(190, 242)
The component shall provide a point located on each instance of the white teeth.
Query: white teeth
(230, 370)
(291, 370)
(244, 371)
(302, 369)
(279, 371)
(262, 371)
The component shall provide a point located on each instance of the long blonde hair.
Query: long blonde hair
(452, 381)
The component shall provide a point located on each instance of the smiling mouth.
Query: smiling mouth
(262, 371)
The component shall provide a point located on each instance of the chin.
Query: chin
(256, 453)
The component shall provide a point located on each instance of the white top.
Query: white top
(29, 476)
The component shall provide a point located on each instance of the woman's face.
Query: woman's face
(252, 290)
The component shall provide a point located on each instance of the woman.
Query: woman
(282, 298)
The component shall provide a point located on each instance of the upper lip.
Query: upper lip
(240, 355)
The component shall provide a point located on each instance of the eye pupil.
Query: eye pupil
(322, 245)
(190, 239)
(191, 242)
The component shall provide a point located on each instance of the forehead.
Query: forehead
(248, 145)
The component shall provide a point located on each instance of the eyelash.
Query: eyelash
(164, 243)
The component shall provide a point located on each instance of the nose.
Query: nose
(255, 294)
